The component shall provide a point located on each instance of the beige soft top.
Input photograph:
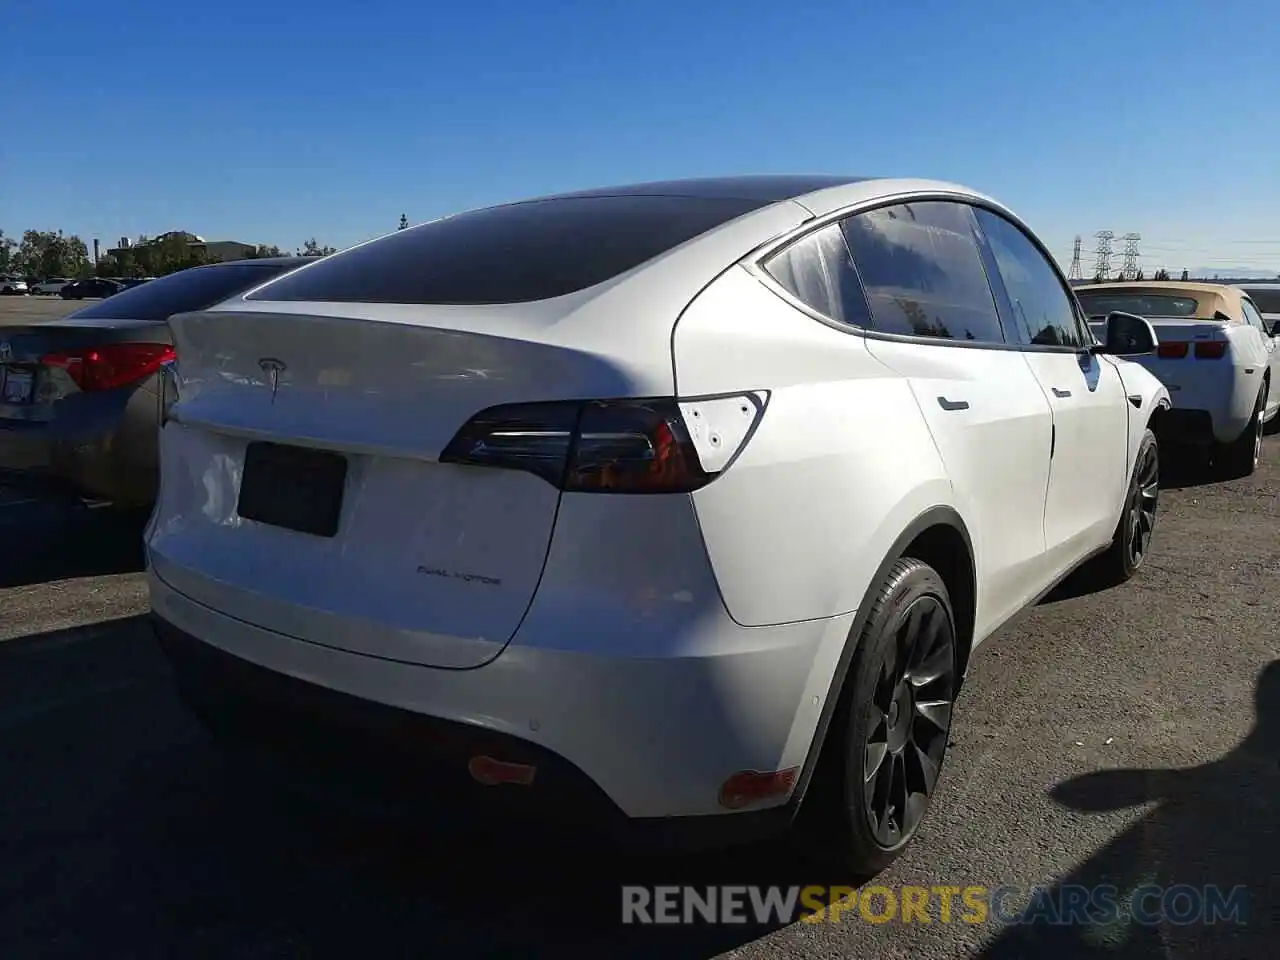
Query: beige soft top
(1211, 298)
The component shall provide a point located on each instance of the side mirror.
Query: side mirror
(1128, 335)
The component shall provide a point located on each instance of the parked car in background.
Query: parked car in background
(1266, 297)
(13, 287)
(661, 507)
(90, 288)
(135, 282)
(79, 396)
(51, 286)
(1218, 357)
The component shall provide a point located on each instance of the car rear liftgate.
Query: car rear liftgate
(304, 452)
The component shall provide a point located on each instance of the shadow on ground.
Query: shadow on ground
(57, 538)
(128, 833)
(1197, 876)
(1178, 471)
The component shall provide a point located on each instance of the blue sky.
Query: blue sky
(271, 122)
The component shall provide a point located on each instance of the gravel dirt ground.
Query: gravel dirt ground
(1125, 737)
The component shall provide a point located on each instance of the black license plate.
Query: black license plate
(292, 487)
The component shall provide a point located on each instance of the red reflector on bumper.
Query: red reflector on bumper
(492, 772)
(751, 786)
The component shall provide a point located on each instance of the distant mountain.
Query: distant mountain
(1234, 273)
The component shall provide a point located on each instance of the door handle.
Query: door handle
(953, 404)
(1061, 393)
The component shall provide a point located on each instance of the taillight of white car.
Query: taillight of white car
(612, 446)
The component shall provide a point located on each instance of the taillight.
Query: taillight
(1211, 350)
(116, 365)
(1171, 350)
(611, 446)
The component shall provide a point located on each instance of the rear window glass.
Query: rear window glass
(818, 271)
(1143, 304)
(186, 290)
(1265, 299)
(515, 253)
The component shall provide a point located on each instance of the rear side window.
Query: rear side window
(516, 253)
(1254, 317)
(1143, 304)
(922, 271)
(818, 272)
(193, 289)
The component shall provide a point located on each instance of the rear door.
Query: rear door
(1089, 474)
(933, 320)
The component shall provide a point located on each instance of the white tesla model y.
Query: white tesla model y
(675, 508)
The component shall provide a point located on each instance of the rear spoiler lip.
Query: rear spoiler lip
(345, 445)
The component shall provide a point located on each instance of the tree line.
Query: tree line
(48, 253)
(1161, 274)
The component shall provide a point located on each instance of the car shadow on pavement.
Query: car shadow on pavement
(127, 832)
(1187, 470)
(56, 539)
(1197, 876)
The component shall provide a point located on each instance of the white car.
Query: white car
(1217, 355)
(648, 508)
(13, 287)
(53, 285)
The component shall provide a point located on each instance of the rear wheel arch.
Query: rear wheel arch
(939, 538)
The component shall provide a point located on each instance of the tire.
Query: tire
(872, 786)
(1131, 541)
(1239, 459)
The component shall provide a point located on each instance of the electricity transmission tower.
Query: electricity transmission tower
(1102, 254)
(1130, 269)
(1075, 272)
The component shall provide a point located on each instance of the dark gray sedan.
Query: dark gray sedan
(78, 396)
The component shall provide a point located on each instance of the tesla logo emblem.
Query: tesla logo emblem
(272, 368)
(6, 351)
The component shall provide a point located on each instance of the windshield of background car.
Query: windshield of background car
(516, 253)
(1142, 304)
(193, 289)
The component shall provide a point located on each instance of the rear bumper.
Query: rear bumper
(1213, 400)
(107, 451)
(371, 756)
(25, 445)
(636, 748)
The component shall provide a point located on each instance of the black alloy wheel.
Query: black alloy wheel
(884, 748)
(1144, 497)
(911, 720)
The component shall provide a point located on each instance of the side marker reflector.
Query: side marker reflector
(752, 786)
(493, 772)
